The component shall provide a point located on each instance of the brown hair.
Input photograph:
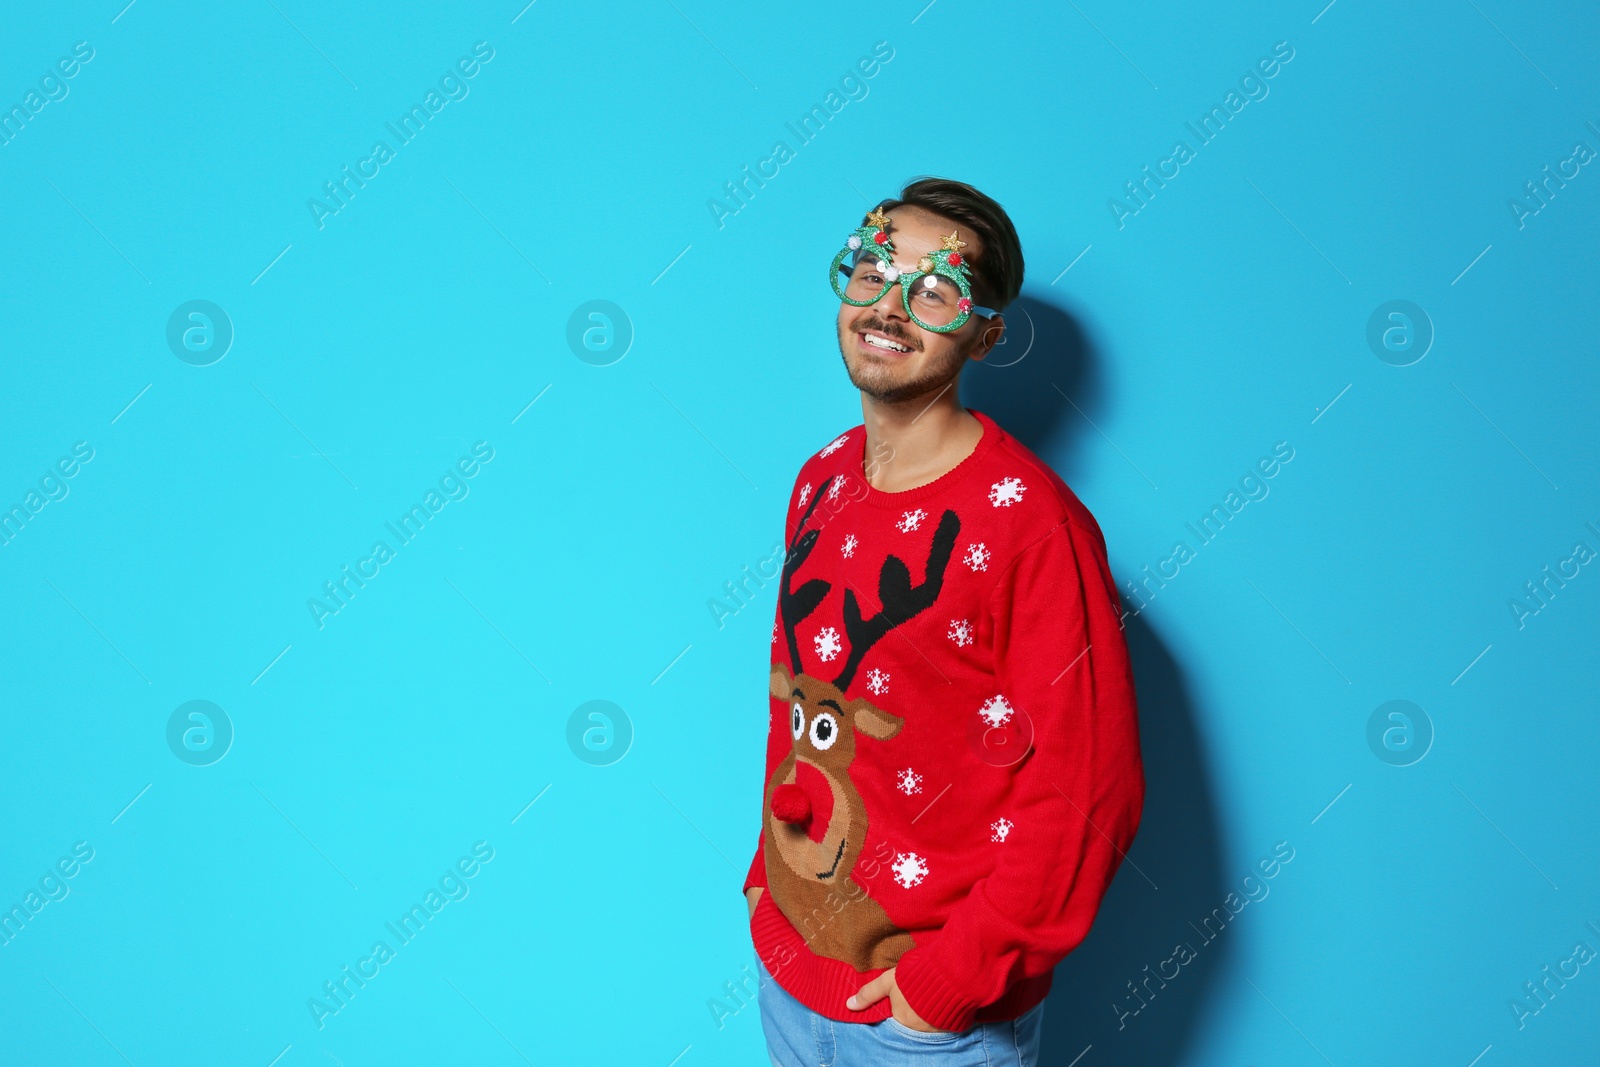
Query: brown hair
(998, 270)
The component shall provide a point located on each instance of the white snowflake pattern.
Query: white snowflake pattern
(833, 490)
(1000, 828)
(909, 869)
(838, 443)
(826, 643)
(908, 781)
(1006, 491)
(977, 556)
(878, 681)
(960, 632)
(911, 520)
(849, 546)
(995, 711)
(805, 494)
(774, 633)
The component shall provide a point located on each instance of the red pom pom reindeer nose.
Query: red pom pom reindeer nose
(807, 802)
(790, 803)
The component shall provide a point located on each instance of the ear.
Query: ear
(874, 722)
(991, 335)
(779, 684)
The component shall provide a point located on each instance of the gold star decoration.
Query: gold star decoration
(877, 218)
(953, 243)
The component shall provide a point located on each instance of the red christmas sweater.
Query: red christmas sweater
(953, 772)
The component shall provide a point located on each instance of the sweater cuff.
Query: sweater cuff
(936, 999)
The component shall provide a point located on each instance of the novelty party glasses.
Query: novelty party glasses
(936, 295)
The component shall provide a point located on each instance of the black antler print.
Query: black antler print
(796, 605)
(901, 600)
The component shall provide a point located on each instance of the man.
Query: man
(953, 772)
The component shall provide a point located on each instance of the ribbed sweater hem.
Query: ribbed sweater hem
(824, 984)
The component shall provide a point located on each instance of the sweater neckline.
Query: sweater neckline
(953, 476)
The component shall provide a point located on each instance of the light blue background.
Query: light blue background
(428, 314)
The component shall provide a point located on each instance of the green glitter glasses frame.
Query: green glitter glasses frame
(937, 295)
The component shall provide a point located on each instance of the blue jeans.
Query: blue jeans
(800, 1037)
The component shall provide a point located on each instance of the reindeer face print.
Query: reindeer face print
(816, 820)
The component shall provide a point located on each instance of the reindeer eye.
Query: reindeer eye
(824, 731)
(797, 721)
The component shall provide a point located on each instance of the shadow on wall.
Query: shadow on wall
(1122, 990)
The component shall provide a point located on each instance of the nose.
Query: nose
(790, 803)
(889, 304)
(807, 802)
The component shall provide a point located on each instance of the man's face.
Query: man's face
(903, 361)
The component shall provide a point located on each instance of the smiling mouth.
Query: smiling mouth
(829, 872)
(881, 342)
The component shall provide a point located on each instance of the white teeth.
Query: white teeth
(879, 342)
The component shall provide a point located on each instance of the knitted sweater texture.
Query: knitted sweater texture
(952, 769)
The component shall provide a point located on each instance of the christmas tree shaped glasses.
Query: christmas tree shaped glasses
(937, 295)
